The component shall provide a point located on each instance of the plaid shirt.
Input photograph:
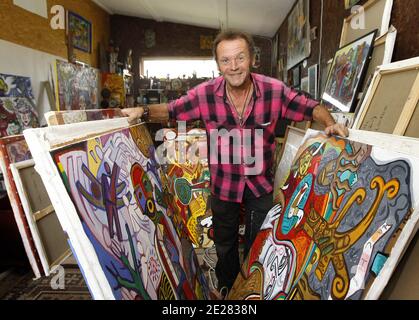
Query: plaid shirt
(271, 101)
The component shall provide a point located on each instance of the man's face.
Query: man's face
(234, 61)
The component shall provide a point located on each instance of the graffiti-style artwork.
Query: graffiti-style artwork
(347, 71)
(189, 181)
(121, 197)
(54, 118)
(15, 86)
(336, 222)
(115, 84)
(77, 87)
(16, 115)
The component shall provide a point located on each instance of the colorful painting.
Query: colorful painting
(15, 86)
(347, 72)
(298, 33)
(81, 31)
(12, 150)
(122, 201)
(77, 87)
(115, 84)
(54, 118)
(189, 182)
(340, 224)
(16, 115)
(350, 3)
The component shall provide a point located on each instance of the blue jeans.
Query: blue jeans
(226, 227)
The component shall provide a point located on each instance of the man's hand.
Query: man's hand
(133, 114)
(337, 129)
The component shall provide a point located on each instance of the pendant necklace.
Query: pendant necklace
(240, 115)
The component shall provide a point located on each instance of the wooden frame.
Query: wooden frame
(18, 212)
(373, 117)
(37, 208)
(372, 10)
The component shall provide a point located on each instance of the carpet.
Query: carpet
(25, 288)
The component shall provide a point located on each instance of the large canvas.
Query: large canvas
(298, 34)
(189, 182)
(55, 118)
(340, 223)
(77, 87)
(12, 150)
(347, 71)
(46, 232)
(114, 207)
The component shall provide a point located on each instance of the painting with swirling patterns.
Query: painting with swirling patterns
(338, 227)
(121, 197)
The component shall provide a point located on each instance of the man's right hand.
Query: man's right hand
(133, 114)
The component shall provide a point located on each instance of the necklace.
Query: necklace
(240, 114)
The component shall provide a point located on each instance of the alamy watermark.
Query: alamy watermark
(236, 147)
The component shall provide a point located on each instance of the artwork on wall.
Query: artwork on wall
(313, 81)
(205, 42)
(347, 71)
(296, 77)
(391, 100)
(48, 236)
(54, 118)
(77, 87)
(350, 3)
(299, 46)
(17, 106)
(14, 149)
(81, 31)
(113, 203)
(340, 223)
(115, 84)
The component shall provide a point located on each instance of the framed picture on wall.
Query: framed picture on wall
(80, 30)
(347, 71)
(296, 77)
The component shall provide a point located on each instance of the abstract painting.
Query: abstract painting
(115, 84)
(54, 118)
(15, 86)
(339, 226)
(121, 226)
(189, 182)
(347, 72)
(81, 31)
(77, 87)
(298, 33)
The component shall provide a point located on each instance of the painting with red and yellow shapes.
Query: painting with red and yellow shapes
(334, 225)
(188, 176)
(119, 192)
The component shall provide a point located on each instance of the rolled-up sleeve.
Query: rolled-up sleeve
(186, 108)
(296, 106)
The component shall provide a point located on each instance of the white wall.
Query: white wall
(38, 65)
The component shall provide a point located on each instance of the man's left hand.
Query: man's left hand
(337, 129)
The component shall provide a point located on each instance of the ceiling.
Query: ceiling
(257, 17)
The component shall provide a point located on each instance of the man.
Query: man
(238, 101)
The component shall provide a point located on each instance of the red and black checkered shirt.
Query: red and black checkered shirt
(271, 101)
